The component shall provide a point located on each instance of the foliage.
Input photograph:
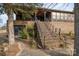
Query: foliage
(27, 8)
(23, 33)
(26, 16)
(69, 34)
(32, 44)
(30, 30)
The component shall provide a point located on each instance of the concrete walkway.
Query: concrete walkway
(26, 51)
(30, 52)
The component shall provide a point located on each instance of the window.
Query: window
(65, 16)
(53, 15)
(62, 16)
(72, 17)
(58, 16)
(69, 16)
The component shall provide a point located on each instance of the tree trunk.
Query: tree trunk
(10, 28)
(76, 42)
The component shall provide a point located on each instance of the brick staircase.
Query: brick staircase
(47, 36)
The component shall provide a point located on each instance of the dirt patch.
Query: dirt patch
(2, 53)
(13, 49)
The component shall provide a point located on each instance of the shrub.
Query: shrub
(69, 34)
(26, 16)
(23, 33)
(32, 44)
(30, 30)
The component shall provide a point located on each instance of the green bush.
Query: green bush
(32, 44)
(26, 16)
(30, 30)
(23, 33)
(69, 34)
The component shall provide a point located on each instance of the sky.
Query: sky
(60, 6)
(4, 18)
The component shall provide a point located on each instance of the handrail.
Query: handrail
(38, 27)
(41, 33)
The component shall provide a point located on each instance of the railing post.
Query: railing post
(35, 16)
(44, 42)
(59, 31)
(52, 28)
(55, 30)
(51, 16)
(44, 15)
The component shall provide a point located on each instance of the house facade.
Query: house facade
(57, 18)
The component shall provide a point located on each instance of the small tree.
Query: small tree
(10, 8)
